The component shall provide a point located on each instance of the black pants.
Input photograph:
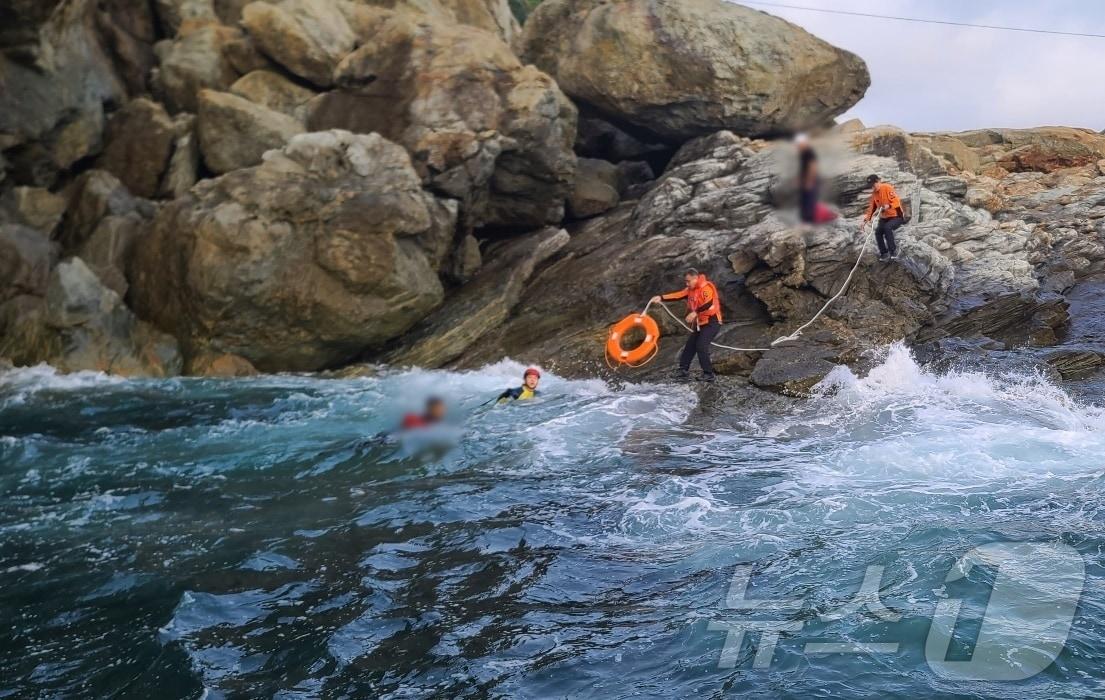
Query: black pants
(699, 344)
(884, 235)
(807, 204)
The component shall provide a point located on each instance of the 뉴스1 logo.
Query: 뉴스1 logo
(1024, 627)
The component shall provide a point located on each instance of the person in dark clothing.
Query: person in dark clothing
(886, 203)
(809, 182)
(704, 318)
(530, 379)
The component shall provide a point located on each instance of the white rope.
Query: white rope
(798, 332)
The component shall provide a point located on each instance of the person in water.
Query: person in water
(530, 379)
(885, 202)
(704, 318)
(432, 415)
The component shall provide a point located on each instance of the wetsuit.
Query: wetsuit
(517, 393)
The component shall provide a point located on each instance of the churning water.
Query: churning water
(200, 538)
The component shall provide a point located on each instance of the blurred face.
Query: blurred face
(691, 280)
(436, 410)
(532, 381)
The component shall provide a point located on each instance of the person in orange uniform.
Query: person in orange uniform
(704, 318)
(885, 202)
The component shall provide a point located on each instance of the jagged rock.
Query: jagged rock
(192, 62)
(307, 37)
(1013, 319)
(25, 257)
(108, 248)
(794, 370)
(35, 207)
(183, 169)
(175, 15)
(596, 188)
(55, 83)
(208, 364)
(466, 260)
(961, 272)
(128, 31)
(329, 248)
(140, 139)
(492, 16)
(1075, 364)
(274, 91)
(234, 132)
(484, 129)
(1042, 149)
(96, 195)
(948, 185)
(82, 325)
(479, 306)
(681, 68)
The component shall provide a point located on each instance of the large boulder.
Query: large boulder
(202, 58)
(481, 127)
(481, 305)
(82, 325)
(596, 188)
(25, 257)
(492, 16)
(140, 139)
(682, 68)
(36, 207)
(234, 132)
(307, 37)
(271, 89)
(55, 85)
(102, 224)
(329, 248)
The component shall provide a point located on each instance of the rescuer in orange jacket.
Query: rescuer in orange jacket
(885, 201)
(704, 318)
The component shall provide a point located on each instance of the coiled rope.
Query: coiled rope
(871, 225)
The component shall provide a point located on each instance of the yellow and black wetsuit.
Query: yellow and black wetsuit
(518, 393)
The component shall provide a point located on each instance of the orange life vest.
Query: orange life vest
(703, 293)
(883, 195)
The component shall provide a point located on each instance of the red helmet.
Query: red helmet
(532, 370)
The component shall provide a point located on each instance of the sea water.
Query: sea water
(268, 537)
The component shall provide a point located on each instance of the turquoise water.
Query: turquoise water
(198, 538)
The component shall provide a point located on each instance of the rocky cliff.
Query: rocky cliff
(219, 186)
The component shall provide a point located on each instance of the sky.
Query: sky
(928, 77)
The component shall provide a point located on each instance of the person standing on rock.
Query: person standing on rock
(885, 202)
(704, 318)
(808, 179)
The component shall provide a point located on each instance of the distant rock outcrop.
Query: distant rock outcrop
(683, 68)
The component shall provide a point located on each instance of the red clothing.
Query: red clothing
(413, 420)
(702, 299)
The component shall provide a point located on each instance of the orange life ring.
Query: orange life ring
(643, 352)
